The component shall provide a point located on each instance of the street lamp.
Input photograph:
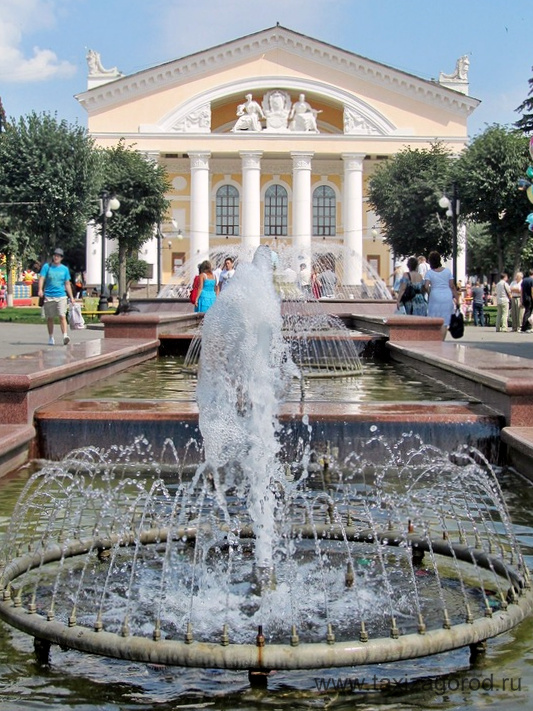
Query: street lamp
(451, 205)
(108, 203)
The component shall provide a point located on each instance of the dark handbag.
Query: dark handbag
(409, 292)
(457, 325)
(41, 300)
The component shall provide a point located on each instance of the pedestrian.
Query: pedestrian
(478, 303)
(527, 301)
(423, 266)
(411, 292)
(503, 302)
(226, 274)
(304, 279)
(56, 290)
(442, 291)
(516, 301)
(206, 287)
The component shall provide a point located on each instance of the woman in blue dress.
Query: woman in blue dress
(443, 295)
(206, 288)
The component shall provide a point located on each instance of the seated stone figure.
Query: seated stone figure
(302, 117)
(249, 115)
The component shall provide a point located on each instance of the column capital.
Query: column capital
(251, 159)
(199, 159)
(301, 160)
(353, 161)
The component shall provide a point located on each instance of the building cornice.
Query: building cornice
(220, 57)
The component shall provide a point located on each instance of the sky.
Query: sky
(43, 43)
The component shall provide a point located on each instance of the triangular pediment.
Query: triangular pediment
(269, 45)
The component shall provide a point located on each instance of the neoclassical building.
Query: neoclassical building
(271, 138)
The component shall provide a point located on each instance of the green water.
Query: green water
(165, 379)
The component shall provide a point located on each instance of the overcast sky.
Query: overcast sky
(43, 43)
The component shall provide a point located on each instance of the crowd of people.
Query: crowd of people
(428, 289)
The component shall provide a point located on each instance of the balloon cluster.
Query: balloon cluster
(527, 185)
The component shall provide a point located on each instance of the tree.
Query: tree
(487, 173)
(48, 178)
(405, 192)
(140, 186)
(136, 268)
(525, 123)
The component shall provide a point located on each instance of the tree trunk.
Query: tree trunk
(9, 278)
(122, 283)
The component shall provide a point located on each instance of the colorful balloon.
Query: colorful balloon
(529, 193)
(529, 218)
(529, 172)
(531, 146)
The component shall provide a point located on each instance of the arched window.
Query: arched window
(276, 210)
(324, 211)
(227, 210)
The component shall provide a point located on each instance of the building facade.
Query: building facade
(270, 138)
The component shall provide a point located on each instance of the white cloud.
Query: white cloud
(19, 19)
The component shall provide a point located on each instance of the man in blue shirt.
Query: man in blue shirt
(55, 286)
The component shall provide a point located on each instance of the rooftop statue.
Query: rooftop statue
(95, 65)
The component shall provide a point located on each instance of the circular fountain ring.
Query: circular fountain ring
(261, 655)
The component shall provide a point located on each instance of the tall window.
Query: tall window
(227, 210)
(324, 211)
(276, 210)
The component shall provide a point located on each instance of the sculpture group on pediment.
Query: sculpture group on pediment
(355, 123)
(280, 115)
(197, 121)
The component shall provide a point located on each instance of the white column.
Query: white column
(301, 202)
(200, 209)
(352, 208)
(251, 199)
(93, 256)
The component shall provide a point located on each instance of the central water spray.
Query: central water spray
(245, 367)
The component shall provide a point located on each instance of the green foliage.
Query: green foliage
(140, 186)
(487, 173)
(136, 269)
(18, 314)
(404, 192)
(525, 123)
(48, 174)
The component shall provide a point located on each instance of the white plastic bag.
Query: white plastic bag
(76, 319)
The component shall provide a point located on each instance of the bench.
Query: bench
(489, 315)
(93, 315)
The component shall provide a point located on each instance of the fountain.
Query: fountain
(256, 560)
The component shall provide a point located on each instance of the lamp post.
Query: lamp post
(451, 205)
(108, 203)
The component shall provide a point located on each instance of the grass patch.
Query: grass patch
(21, 314)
